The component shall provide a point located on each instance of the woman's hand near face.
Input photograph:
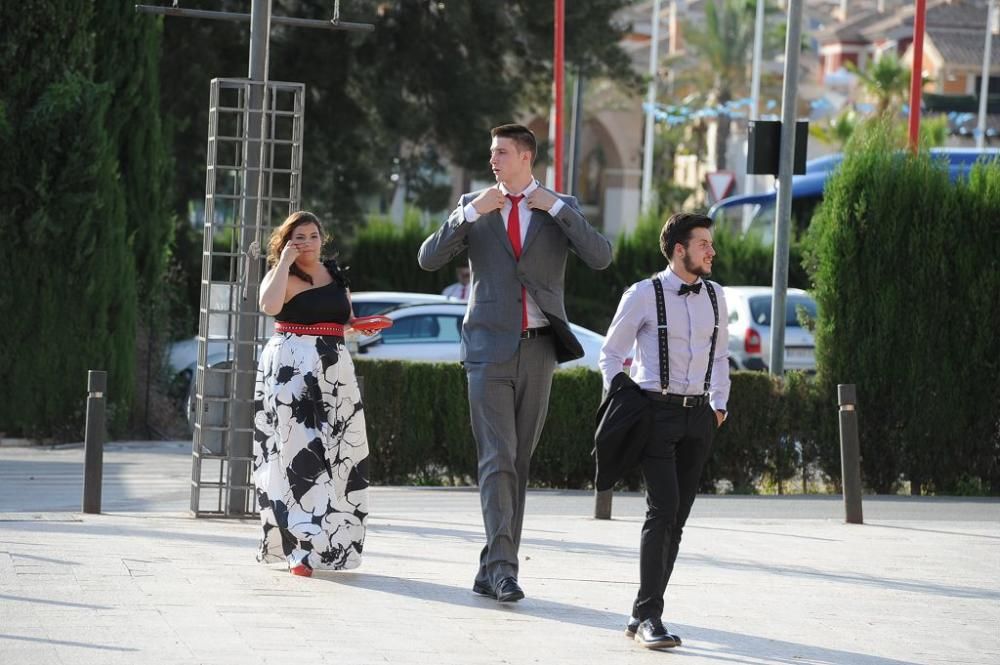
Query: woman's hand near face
(289, 253)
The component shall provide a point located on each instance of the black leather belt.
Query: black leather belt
(687, 401)
(531, 333)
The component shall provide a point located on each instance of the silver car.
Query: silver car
(750, 328)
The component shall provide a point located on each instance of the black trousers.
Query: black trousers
(672, 461)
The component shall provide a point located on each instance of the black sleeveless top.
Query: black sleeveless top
(320, 304)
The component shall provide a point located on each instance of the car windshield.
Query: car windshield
(760, 309)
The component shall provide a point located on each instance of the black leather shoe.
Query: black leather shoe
(652, 635)
(632, 627)
(481, 589)
(508, 591)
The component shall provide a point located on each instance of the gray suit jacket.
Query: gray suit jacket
(492, 328)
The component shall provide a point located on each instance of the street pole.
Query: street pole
(984, 85)
(93, 443)
(758, 56)
(244, 353)
(560, 76)
(647, 145)
(917, 73)
(850, 453)
(574, 141)
(783, 211)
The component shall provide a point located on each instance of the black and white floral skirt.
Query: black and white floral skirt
(310, 453)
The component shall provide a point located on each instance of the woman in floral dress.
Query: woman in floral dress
(310, 446)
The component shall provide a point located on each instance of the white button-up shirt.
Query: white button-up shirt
(690, 323)
(535, 317)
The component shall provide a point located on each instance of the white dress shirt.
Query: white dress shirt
(690, 323)
(457, 290)
(535, 317)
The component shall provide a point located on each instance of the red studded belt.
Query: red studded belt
(320, 329)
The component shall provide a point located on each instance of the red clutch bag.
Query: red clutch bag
(371, 323)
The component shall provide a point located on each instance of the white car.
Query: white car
(367, 303)
(433, 333)
(182, 357)
(750, 328)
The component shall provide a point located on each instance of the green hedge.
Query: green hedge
(907, 273)
(419, 432)
(384, 258)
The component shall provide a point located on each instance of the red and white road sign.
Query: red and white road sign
(720, 184)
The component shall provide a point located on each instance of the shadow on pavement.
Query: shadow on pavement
(59, 603)
(846, 578)
(725, 645)
(92, 528)
(940, 531)
(64, 643)
(475, 535)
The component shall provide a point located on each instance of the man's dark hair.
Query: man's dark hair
(678, 230)
(521, 135)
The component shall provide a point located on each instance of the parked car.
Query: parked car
(182, 360)
(433, 333)
(368, 303)
(750, 328)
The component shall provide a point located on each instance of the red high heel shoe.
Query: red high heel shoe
(301, 570)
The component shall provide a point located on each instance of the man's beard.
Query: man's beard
(694, 269)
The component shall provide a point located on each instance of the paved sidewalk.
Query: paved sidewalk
(759, 580)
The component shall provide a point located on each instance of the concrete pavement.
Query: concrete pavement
(759, 579)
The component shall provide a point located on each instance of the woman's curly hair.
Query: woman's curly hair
(281, 235)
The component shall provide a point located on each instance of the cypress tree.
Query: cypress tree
(905, 272)
(127, 58)
(67, 272)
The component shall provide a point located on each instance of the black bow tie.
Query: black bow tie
(692, 288)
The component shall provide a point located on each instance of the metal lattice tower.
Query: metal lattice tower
(245, 154)
(253, 183)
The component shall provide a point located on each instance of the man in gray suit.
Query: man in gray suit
(518, 235)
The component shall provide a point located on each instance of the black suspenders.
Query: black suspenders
(661, 332)
(715, 333)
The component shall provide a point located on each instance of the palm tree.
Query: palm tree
(723, 48)
(887, 80)
(837, 130)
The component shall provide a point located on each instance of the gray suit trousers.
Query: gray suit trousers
(508, 403)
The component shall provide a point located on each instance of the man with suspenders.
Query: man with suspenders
(677, 321)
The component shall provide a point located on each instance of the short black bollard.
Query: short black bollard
(93, 443)
(850, 452)
(602, 504)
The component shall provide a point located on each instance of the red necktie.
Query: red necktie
(514, 233)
